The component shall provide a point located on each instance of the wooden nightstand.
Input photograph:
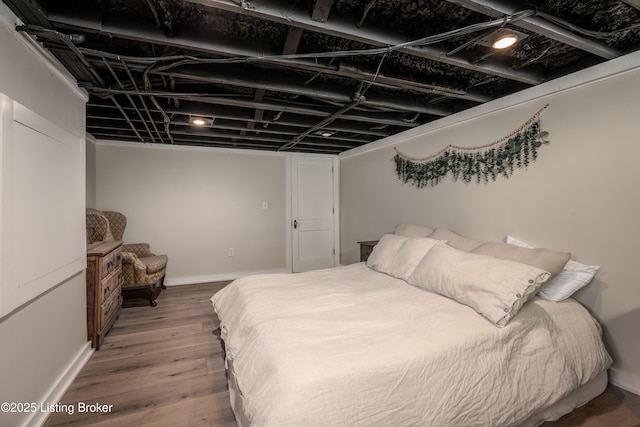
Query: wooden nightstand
(365, 249)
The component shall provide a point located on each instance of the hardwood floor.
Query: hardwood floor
(613, 408)
(158, 366)
(162, 366)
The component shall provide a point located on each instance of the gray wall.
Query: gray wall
(581, 195)
(43, 340)
(193, 204)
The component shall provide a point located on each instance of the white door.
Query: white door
(313, 245)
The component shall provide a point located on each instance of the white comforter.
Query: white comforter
(353, 347)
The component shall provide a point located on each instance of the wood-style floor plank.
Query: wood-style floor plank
(613, 408)
(158, 366)
(162, 366)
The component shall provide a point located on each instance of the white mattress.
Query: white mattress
(350, 346)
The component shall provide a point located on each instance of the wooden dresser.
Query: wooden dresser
(104, 288)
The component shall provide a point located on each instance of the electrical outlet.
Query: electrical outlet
(231, 252)
(265, 205)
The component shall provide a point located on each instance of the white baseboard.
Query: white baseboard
(625, 380)
(193, 280)
(60, 386)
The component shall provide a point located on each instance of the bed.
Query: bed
(368, 344)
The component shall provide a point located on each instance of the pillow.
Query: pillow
(398, 256)
(493, 287)
(384, 251)
(546, 259)
(455, 240)
(409, 256)
(412, 230)
(572, 278)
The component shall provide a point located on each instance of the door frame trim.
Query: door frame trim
(289, 206)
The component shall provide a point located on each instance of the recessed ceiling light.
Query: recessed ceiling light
(200, 121)
(501, 38)
(325, 133)
(77, 38)
(505, 41)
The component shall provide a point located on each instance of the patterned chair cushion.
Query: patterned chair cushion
(134, 269)
(98, 226)
(140, 249)
(155, 264)
(117, 224)
(131, 258)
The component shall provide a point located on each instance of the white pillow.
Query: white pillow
(493, 287)
(409, 256)
(384, 251)
(398, 256)
(572, 278)
(412, 230)
(455, 240)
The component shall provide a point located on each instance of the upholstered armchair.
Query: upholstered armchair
(97, 227)
(141, 268)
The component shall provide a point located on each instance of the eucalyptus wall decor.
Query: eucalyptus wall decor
(499, 158)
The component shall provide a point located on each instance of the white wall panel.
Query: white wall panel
(40, 211)
(42, 339)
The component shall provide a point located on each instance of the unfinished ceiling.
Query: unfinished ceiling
(309, 76)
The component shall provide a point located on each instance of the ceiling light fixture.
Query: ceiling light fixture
(200, 121)
(501, 38)
(325, 133)
(505, 41)
(77, 38)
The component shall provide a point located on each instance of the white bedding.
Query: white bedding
(353, 347)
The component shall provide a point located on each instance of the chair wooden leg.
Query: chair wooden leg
(152, 296)
(162, 285)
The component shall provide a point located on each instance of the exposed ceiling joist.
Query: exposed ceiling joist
(274, 10)
(318, 76)
(498, 9)
(321, 10)
(384, 118)
(188, 109)
(287, 84)
(299, 122)
(634, 3)
(227, 47)
(290, 47)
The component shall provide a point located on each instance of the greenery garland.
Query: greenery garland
(501, 157)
